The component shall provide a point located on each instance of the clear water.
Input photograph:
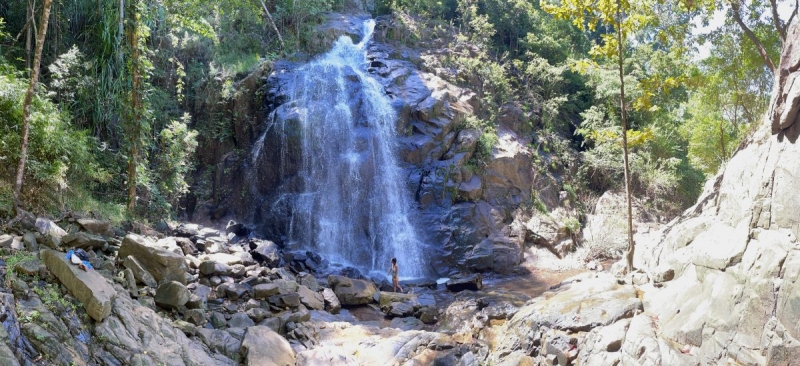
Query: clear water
(354, 206)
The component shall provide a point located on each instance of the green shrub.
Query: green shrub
(58, 155)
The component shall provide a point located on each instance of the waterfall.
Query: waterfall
(353, 205)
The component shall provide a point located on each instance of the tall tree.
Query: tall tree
(134, 125)
(26, 105)
(624, 17)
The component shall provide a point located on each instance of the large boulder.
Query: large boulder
(332, 303)
(265, 252)
(51, 233)
(161, 263)
(171, 295)
(139, 272)
(351, 291)
(473, 282)
(310, 299)
(97, 227)
(84, 241)
(263, 347)
(89, 287)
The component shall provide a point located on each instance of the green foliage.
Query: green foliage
(178, 143)
(53, 299)
(12, 261)
(58, 155)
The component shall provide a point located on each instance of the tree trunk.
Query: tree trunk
(753, 38)
(29, 34)
(135, 107)
(272, 22)
(624, 117)
(26, 105)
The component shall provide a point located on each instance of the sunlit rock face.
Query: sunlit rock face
(734, 254)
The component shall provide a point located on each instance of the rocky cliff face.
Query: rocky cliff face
(735, 253)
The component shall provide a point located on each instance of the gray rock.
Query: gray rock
(220, 341)
(97, 227)
(257, 314)
(351, 291)
(171, 295)
(218, 320)
(89, 287)
(263, 347)
(129, 282)
(240, 320)
(308, 280)
(406, 323)
(265, 252)
(162, 264)
(473, 282)
(139, 272)
(195, 316)
(332, 304)
(210, 268)
(84, 241)
(30, 242)
(265, 290)
(28, 267)
(6, 240)
(311, 299)
(51, 233)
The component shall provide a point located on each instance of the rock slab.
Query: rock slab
(89, 287)
(162, 264)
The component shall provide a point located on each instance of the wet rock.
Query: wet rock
(351, 291)
(89, 287)
(51, 233)
(171, 295)
(265, 252)
(332, 304)
(84, 241)
(240, 320)
(162, 264)
(262, 346)
(473, 282)
(237, 229)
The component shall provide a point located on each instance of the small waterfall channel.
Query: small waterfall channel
(353, 204)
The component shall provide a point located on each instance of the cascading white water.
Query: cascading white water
(354, 206)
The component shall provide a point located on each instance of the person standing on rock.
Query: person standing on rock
(395, 279)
